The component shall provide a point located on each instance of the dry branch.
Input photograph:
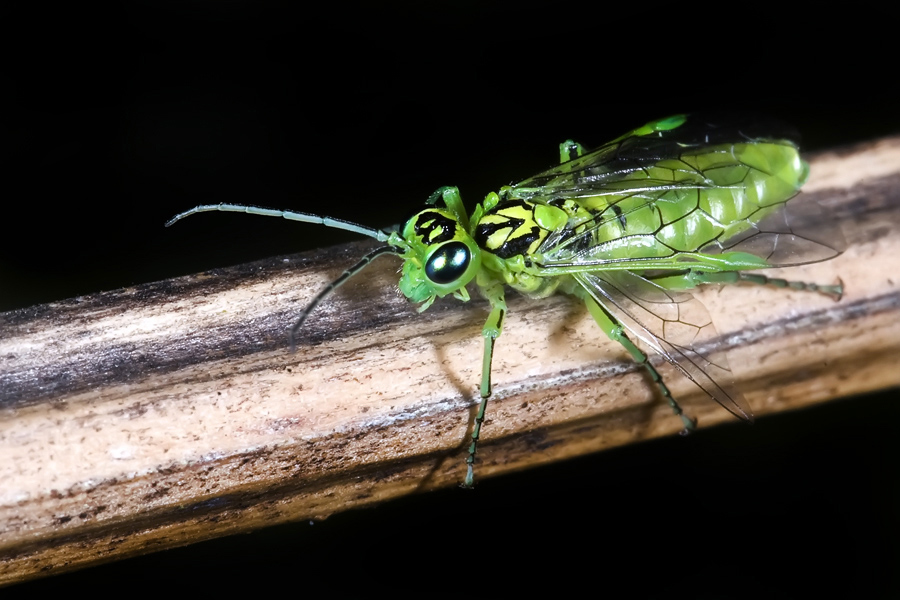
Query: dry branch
(172, 412)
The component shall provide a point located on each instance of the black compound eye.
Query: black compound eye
(449, 263)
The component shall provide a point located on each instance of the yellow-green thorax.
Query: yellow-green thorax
(511, 231)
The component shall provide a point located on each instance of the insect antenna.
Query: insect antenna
(365, 260)
(284, 214)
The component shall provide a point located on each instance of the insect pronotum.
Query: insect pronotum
(628, 228)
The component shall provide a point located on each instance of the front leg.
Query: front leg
(492, 329)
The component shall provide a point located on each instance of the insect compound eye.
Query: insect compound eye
(448, 263)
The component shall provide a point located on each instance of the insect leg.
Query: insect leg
(449, 195)
(492, 329)
(570, 150)
(692, 279)
(616, 332)
(834, 291)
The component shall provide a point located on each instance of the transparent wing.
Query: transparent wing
(642, 148)
(706, 184)
(676, 326)
(798, 232)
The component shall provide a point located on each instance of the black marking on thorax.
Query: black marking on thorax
(512, 246)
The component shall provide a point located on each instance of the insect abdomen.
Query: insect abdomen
(748, 182)
(735, 186)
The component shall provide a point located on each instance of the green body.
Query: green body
(680, 202)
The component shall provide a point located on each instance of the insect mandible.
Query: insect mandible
(628, 228)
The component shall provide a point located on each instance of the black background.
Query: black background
(122, 117)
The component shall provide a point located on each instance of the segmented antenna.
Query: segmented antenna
(315, 220)
(284, 214)
(365, 260)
